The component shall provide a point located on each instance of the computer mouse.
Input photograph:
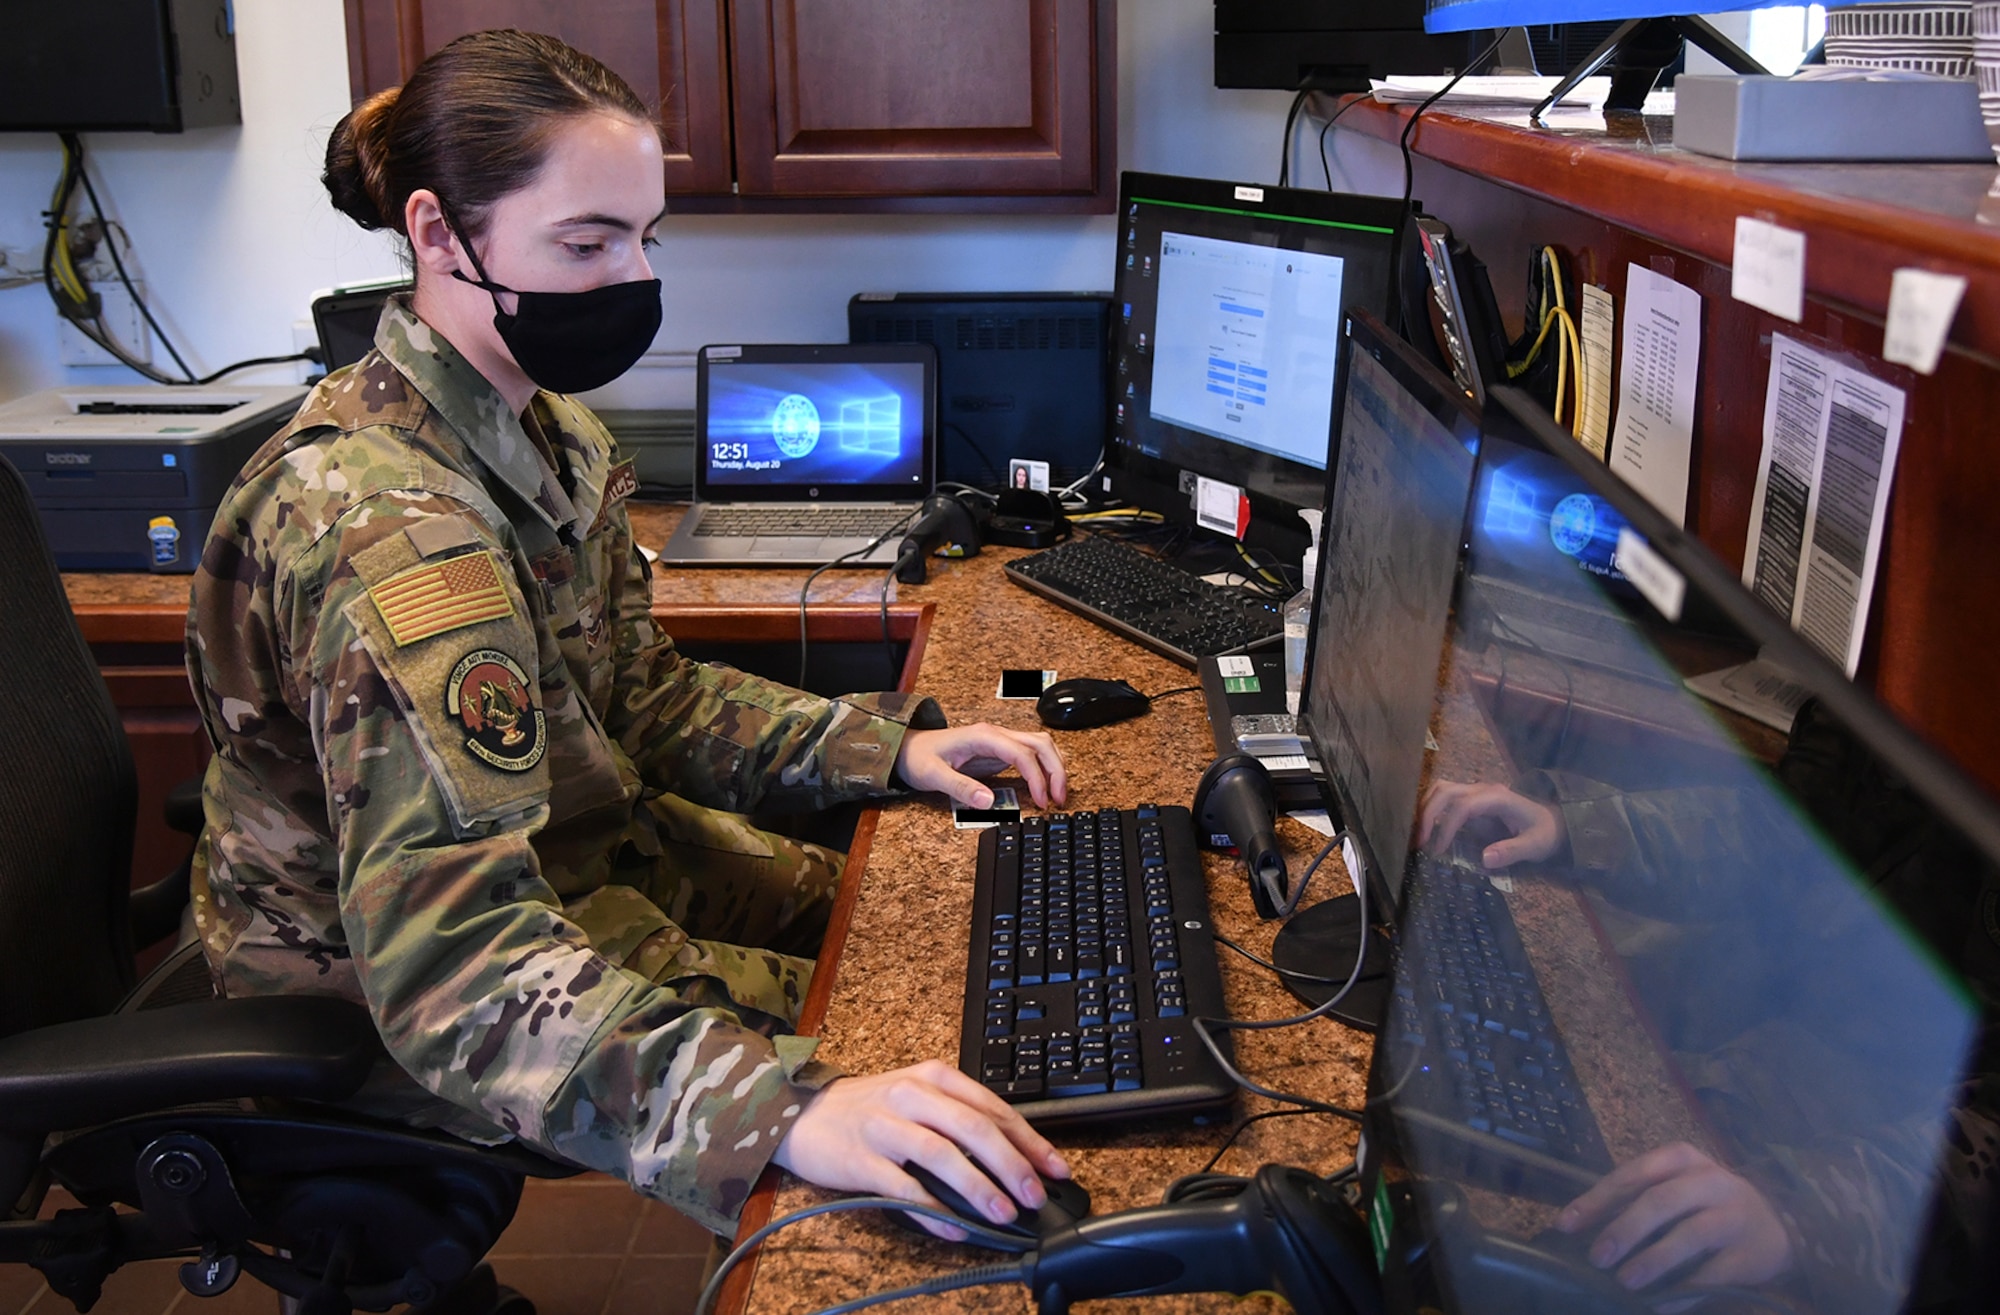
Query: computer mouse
(1073, 705)
(1067, 1203)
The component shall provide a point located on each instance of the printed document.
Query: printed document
(1654, 434)
(1830, 438)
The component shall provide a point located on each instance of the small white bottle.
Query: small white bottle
(1297, 616)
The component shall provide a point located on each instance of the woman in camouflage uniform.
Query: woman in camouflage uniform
(460, 776)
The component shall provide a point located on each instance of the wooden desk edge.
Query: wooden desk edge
(735, 1294)
(1863, 241)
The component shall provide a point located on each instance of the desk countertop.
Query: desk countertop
(899, 976)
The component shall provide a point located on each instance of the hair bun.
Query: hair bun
(356, 156)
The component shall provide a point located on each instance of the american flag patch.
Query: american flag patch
(431, 599)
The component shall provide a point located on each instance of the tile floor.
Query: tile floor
(581, 1246)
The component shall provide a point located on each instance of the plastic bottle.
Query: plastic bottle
(1297, 616)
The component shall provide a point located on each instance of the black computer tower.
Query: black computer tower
(1021, 375)
(140, 65)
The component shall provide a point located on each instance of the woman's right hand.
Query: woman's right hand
(856, 1134)
(1536, 831)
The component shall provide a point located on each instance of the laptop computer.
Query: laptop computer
(1543, 574)
(808, 454)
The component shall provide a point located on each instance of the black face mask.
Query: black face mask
(571, 342)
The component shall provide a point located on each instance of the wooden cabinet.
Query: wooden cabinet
(776, 105)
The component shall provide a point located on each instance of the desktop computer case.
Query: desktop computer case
(1021, 375)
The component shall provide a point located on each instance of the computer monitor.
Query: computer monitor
(1648, 937)
(1225, 350)
(1394, 517)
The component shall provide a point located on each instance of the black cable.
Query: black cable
(74, 174)
(1237, 1131)
(1202, 1025)
(844, 1206)
(1285, 150)
(310, 354)
(1326, 170)
(888, 647)
(75, 145)
(1169, 693)
(977, 1277)
(1410, 182)
(1292, 973)
(805, 589)
(999, 475)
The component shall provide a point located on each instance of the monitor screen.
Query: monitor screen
(1395, 518)
(1680, 1000)
(1226, 346)
(771, 417)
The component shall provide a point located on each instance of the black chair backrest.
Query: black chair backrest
(67, 795)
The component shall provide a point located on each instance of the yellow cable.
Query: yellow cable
(65, 270)
(1251, 562)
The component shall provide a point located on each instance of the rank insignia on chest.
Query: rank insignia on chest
(488, 695)
(439, 596)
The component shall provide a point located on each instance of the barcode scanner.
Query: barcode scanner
(1236, 806)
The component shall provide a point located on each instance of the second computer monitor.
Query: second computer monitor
(1395, 517)
(1226, 345)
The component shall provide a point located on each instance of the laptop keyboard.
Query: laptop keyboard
(798, 522)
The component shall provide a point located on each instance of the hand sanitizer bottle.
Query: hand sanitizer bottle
(1297, 616)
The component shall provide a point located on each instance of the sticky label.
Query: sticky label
(1922, 305)
(1661, 584)
(1236, 664)
(722, 353)
(1221, 507)
(1242, 685)
(1769, 268)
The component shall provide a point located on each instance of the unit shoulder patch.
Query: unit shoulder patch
(488, 696)
(438, 596)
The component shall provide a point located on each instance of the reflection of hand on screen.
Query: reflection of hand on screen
(1535, 831)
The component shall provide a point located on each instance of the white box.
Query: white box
(1769, 118)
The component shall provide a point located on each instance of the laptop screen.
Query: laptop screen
(815, 421)
(1681, 1002)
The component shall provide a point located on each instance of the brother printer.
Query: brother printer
(128, 478)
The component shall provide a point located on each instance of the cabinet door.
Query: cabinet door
(921, 98)
(670, 51)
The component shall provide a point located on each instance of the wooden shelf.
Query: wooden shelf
(1613, 195)
(1865, 220)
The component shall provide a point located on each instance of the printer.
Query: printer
(127, 478)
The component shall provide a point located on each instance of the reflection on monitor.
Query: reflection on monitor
(816, 422)
(1394, 520)
(1648, 938)
(1226, 355)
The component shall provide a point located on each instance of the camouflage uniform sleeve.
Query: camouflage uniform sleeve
(724, 739)
(1852, 1207)
(481, 988)
(1658, 852)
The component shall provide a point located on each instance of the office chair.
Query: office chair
(208, 1120)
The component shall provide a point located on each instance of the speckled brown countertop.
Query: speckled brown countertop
(896, 988)
(900, 977)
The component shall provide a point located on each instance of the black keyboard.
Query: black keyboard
(1091, 951)
(1469, 1026)
(1169, 611)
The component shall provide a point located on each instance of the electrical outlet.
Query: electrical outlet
(121, 317)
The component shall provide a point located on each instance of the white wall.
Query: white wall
(233, 232)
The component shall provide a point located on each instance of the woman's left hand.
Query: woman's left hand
(948, 759)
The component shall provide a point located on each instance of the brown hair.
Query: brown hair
(472, 124)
